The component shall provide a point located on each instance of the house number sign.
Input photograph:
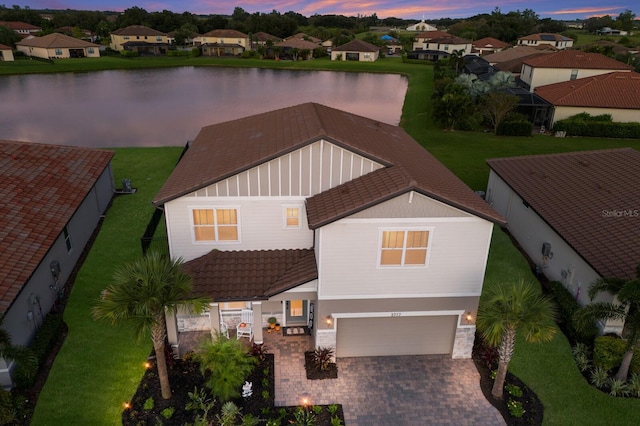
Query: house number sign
(396, 314)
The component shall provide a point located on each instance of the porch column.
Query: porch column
(172, 329)
(214, 318)
(257, 322)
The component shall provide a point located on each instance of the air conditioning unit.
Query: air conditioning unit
(546, 249)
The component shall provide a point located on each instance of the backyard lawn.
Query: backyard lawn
(99, 366)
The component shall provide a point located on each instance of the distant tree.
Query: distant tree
(495, 106)
(451, 107)
(625, 20)
(548, 25)
(262, 51)
(9, 37)
(133, 16)
(185, 32)
(502, 80)
(595, 24)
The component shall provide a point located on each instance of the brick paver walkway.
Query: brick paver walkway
(401, 390)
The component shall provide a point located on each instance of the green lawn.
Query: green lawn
(99, 366)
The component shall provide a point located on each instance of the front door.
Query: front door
(296, 312)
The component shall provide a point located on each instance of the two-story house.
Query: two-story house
(223, 43)
(140, 39)
(332, 222)
(420, 40)
(557, 40)
(22, 28)
(567, 65)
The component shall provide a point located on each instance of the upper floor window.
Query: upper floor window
(404, 247)
(574, 74)
(67, 239)
(215, 224)
(292, 217)
(158, 38)
(126, 37)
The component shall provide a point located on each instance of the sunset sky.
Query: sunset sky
(407, 9)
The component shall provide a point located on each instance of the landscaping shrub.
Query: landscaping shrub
(608, 352)
(514, 128)
(129, 54)
(600, 126)
(175, 53)
(567, 306)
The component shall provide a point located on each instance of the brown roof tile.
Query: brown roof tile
(356, 45)
(431, 35)
(577, 59)
(490, 42)
(262, 36)
(18, 25)
(298, 43)
(250, 275)
(137, 30)
(515, 65)
(611, 90)
(305, 37)
(514, 53)
(4, 47)
(575, 193)
(225, 34)
(225, 149)
(56, 40)
(545, 37)
(42, 186)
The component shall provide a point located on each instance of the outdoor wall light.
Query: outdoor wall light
(329, 321)
(305, 400)
(469, 317)
(147, 365)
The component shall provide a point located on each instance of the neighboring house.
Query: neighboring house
(420, 40)
(575, 214)
(517, 52)
(84, 34)
(449, 44)
(58, 46)
(140, 39)
(21, 28)
(487, 45)
(556, 40)
(223, 43)
(261, 39)
(356, 50)
(514, 66)
(6, 53)
(421, 26)
(305, 37)
(333, 222)
(566, 65)
(290, 46)
(611, 31)
(53, 198)
(392, 45)
(616, 93)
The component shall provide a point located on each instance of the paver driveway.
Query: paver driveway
(400, 390)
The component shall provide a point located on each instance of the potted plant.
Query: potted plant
(272, 322)
(277, 326)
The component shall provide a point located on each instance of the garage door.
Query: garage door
(395, 336)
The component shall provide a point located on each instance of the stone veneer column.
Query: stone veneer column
(326, 339)
(463, 345)
(214, 318)
(257, 322)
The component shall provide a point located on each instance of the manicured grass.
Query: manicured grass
(99, 366)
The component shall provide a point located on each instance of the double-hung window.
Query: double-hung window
(292, 217)
(215, 224)
(404, 247)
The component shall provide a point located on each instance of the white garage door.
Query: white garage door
(395, 336)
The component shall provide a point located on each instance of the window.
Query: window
(90, 50)
(574, 74)
(58, 51)
(158, 38)
(292, 217)
(215, 224)
(67, 239)
(126, 37)
(233, 305)
(404, 248)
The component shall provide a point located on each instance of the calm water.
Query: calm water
(168, 107)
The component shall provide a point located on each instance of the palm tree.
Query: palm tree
(510, 308)
(628, 294)
(141, 292)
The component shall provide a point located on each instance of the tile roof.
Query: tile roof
(252, 274)
(449, 39)
(225, 34)
(306, 37)
(515, 65)
(4, 47)
(356, 45)
(511, 54)
(42, 186)
(575, 194)
(545, 37)
(431, 34)
(262, 36)
(297, 43)
(611, 90)
(56, 40)
(17, 25)
(488, 42)
(137, 30)
(225, 149)
(577, 59)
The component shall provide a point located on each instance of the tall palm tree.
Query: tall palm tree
(510, 308)
(628, 294)
(140, 294)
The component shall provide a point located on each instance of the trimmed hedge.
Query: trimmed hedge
(608, 352)
(567, 306)
(598, 129)
(514, 128)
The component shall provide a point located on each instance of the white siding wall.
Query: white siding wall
(544, 76)
(619, 115)
(348, 252)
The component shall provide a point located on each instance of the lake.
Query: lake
(168, 107)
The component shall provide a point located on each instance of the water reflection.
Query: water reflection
(168, 107)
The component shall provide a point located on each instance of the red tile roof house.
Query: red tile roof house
(566, 65)
(53, 198)
(576, 215)
(140, 39)
(21, 28)
(58, 46)
(331, 221)
(616, 93)
(489, 45)
(356, 50)
(557, 40)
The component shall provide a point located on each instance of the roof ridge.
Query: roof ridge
(561, 154)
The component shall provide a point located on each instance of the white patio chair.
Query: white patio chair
(247, 321)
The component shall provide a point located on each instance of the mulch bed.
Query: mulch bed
(534, 410)
(314, 373)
